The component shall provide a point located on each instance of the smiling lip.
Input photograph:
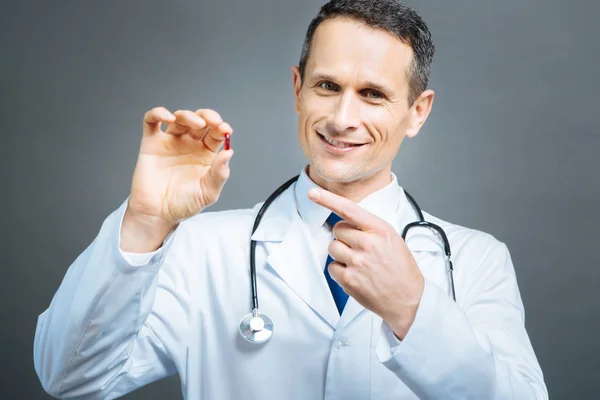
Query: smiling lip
(338, 146)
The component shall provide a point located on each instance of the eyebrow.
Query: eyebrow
(369, 84)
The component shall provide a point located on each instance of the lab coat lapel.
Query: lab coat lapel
(295, 262)
(351, 311)
(290, 255)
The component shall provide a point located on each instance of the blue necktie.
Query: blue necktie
(339, 296)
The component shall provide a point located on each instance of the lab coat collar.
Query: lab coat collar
(314, 215)
(277, 218)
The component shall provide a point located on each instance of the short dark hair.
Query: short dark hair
(392, 16)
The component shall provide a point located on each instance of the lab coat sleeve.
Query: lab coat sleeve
(138, 259)
(477, 348)
(99, 337)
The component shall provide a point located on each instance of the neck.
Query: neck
(355, 190)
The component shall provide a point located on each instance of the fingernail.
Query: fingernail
(314, 193)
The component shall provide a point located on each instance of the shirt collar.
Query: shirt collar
(384, 203)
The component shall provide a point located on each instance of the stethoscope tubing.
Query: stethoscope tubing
(257, 220)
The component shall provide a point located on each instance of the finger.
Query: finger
(211, 117)
(340, 251)
(349, 279)
(187, 122)
(176, 129)
(346, 209)
(337, 271)
(154, 117)
(348, 234)
(217, 175)
(214, 138)
(214, 133)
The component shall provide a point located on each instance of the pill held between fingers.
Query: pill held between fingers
(227, 141)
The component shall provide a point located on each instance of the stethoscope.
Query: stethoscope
(258, 328)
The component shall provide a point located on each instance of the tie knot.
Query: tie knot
(333, 219)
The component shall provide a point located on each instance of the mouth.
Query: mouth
(336, 146)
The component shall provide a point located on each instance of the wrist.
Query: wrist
(402, 317)
(400, 327)
(143, 234)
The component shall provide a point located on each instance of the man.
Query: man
(162, 288)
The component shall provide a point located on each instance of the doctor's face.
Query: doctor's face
(352, 104)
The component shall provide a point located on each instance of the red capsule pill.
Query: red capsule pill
(227, 141)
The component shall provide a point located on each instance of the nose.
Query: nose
(346, 115)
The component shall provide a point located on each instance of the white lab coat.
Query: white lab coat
(113, 327)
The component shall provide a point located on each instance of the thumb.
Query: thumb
(217, 175)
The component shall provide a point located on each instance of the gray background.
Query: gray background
(511, 147)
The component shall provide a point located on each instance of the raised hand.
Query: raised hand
(179, 172)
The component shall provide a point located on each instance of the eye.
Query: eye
(326, 85)
(374, 94)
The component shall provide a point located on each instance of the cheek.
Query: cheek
(312, 109)
(304, 113)
(386, 128)
(315, 106)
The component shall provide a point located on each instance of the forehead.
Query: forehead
(346, 47)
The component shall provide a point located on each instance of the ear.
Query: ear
(297, 80)
(419, 112)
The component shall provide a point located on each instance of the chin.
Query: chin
(336, 171)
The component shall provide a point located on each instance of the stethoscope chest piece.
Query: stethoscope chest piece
(256, 328)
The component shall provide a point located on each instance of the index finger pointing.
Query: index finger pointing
(345, 208)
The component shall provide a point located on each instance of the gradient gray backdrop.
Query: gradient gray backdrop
(511, 147)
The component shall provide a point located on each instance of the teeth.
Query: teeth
(336, 143)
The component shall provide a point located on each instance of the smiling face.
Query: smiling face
(353, 105)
